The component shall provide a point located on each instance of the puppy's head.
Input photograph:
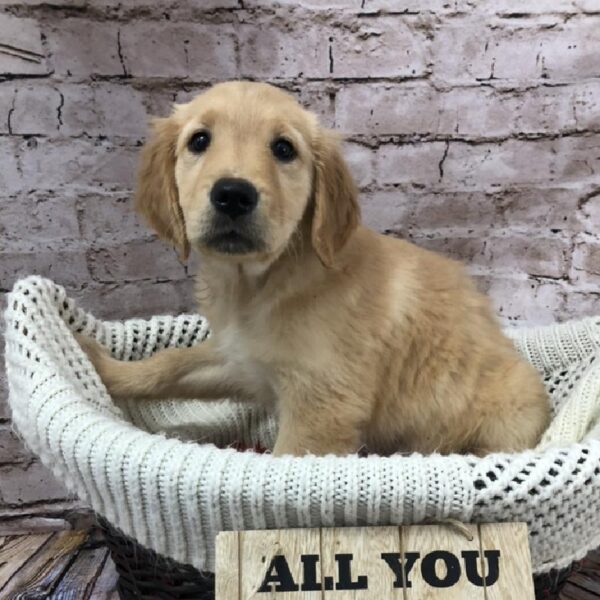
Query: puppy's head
(236, 171)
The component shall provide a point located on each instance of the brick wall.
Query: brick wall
(474, 129)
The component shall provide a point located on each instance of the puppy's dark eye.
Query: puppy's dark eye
(199, 142)
(283, 150)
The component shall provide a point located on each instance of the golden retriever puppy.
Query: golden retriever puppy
(354, 338)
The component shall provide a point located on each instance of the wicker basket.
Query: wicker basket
(174, 496)
(144, 574)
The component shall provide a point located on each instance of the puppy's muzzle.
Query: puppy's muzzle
(233, 197)
(234, 226)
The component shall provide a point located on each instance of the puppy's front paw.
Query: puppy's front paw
(106, 366)
(97, 353)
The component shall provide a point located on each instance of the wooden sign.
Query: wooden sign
(422, 562)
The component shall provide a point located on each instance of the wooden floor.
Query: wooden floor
(585, 583)
(75, 565)
(61, 565)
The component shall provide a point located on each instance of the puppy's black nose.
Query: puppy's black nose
(234, 197)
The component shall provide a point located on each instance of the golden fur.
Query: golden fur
(355, 338)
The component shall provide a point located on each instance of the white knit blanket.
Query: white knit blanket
(174, 495)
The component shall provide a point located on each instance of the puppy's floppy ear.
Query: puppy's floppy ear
(336, 211)
(156, 196)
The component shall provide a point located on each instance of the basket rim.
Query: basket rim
(123, 441)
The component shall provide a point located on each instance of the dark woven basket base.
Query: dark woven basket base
(146, 575)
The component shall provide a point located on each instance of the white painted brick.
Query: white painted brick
(205, 5)
(158, 100)
(360, 161)
(123, 300)
(27, 484)
(541, 256)
(462, 248)
(420, 109)
(479, 112)
(12, 449)
(546, 110)
(516, 7)
(447, 210)
(11, 180)
(414, 213)
(410, 163)
(579, 304)
(586, 105)
(110, 218)
(349, 5)
(586, 260)
(518, 302)
(103, 109)
(66, 267)
(385, 210)
(545, 212)
(590, 6)
(78, 163)
(80, 47)
(319, 100)
(551, 210)
(31, 220)
(409, 6)
(7, 95)
(497, 164)
(471, 51)
(590, 210)
(545, 257)
(191, 51)
(382, 47)
(36, 110)
(131, 261)
(522, 162)
(390, 109)
(24, 54)
(67, 3)
(4, 410)
(268, 52)
(572, 53)
(182, 96)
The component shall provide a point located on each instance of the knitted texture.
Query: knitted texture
(139, 464)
